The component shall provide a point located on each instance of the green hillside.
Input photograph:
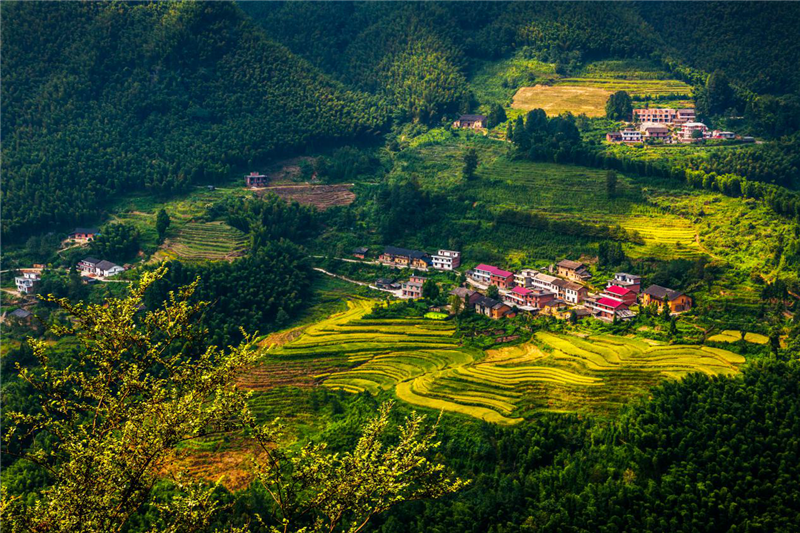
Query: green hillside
(104, 98)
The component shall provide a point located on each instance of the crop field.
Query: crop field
(209, 241)
(665, 237)
(422, 363)
(733, 335)
(320, 196)
(557, 99)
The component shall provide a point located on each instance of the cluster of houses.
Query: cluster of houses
(667, 126)
(562, 293)
(98, 268)
(405, 258)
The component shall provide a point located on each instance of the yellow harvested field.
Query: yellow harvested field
(560, 98)
(423, 363)
(734, 335)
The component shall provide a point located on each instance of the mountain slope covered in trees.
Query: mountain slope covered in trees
(103, 98)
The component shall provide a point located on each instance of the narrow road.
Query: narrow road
(396, 293)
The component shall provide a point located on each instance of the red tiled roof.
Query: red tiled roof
(609, 302)
(494, 270)
(619, 291)
(521, 290)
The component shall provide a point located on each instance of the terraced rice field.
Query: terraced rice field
(665, 237)
(210, 241)
(423, 364)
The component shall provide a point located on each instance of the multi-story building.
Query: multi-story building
(656, 115)
(687, 135)
(492, 308)
(411, 289)
(446, 260)
(572, 270)
(573, 293)
(629, 281)
(27, 282)
(654, 131)
(491, 275)
(524, 278)
(614, 137)
(630, 135)
(685, 115)
(608, 309)
(622, 294)
(545, 282)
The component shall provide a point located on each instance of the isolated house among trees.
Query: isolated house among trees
(471, 121)
(27, 282)
(677, 301)
(84, 234)
(360, 252)
(254, 179)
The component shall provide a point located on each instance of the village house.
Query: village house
(405, 258)
(88, 265)
(614, 137)
(724, 135)
(386, 284)
(417, 279)
(524, 278)
(411, 289)
(491, 275)
(468, 296)
(685, 115)
(471, 121)
(446, 260)
(556, 308)
(572, 270)
(360, 252)
(96, 267)
(528, 299)
(687, 130)
(492, 308)
(106, 269)
(629, 281)
(254, 179)
(608, 309)
(651, 130)
(622, 294)
(573, 293)
(545, 282)
(655, 115)
(630, 135)
(27, 282)
(677, 301)
(84, 235)
(22, 316)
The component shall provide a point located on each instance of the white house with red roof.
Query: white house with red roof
(491, 275)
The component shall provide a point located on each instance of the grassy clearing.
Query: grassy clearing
(558, 99)
(422, 363)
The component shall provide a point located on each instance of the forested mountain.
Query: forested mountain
(100, 98)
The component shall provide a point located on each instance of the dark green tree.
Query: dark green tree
(493, 292)
(497, 115)
(611, 184)
(162, 223)
(619, 106)
(430, 289)
(470, 164)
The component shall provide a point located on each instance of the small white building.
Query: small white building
(446, 260)
(106, 269)
(26, 283)
(630, 135)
